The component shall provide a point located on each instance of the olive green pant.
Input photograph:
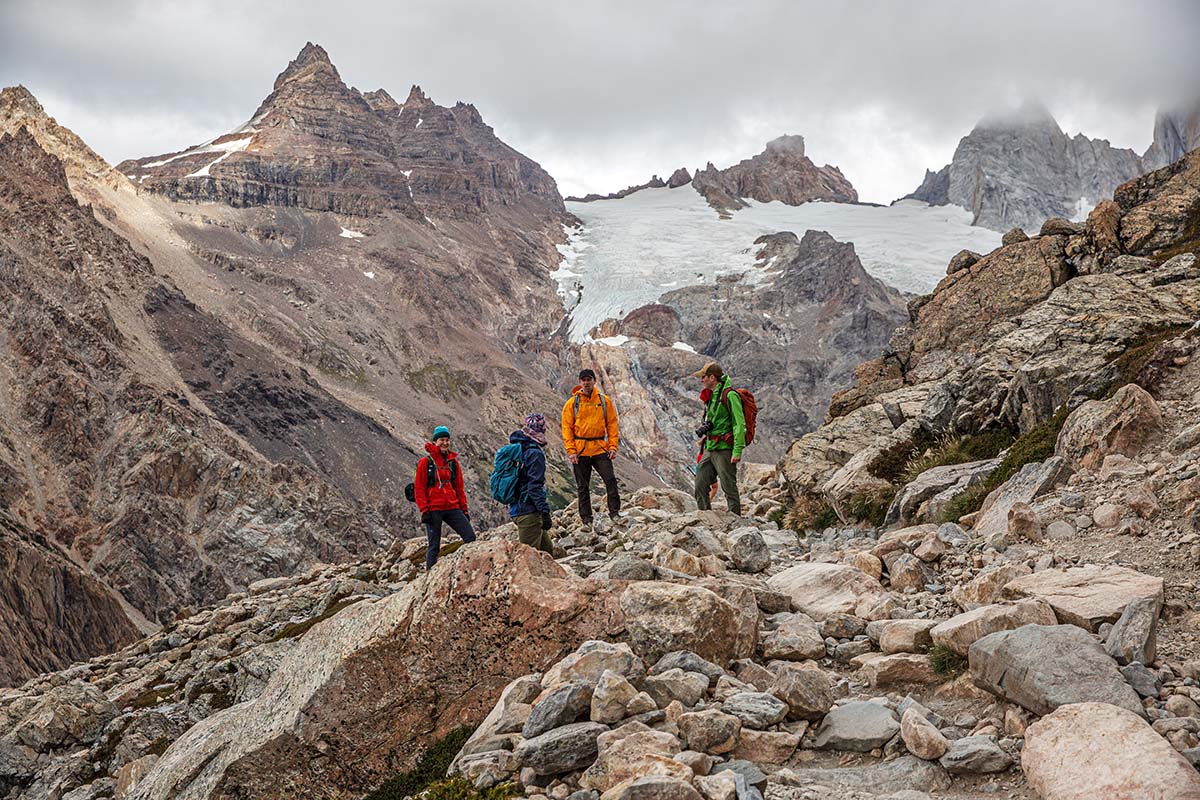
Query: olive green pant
(529, 531)
(718, 465)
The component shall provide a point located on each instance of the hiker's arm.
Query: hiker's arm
(611, 424)
(535, 473)
(421, 485)
(459, 490)
(568, 429)
(739, 424)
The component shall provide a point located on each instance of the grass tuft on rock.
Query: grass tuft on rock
(950, 450)
(429, 770)
(1036, 444)
(809, 513)
(946, 662)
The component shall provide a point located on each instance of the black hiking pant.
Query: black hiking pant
(583, 484)
(458, 522)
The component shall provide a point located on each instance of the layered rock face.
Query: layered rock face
(108, 451)
(52, 614)
(781, 172)
(1019, 170)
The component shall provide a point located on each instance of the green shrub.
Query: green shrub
(1126, 367)
(951, 450)
(946, 662)
(870, 507)
(1036, 444)
(890, 464)
(810, 512)
(459, 788)
(430, 769)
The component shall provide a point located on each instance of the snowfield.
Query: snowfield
(633, 250)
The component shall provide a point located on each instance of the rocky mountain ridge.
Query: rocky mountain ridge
(1020, 169)
(210, 380)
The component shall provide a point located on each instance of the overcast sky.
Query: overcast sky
(603, 94)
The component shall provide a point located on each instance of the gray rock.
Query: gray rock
(628, 567)
(808, 692)
(748, 551)
(688, 662)
(1031, 482)
(710, 731)
(796, 639)
(746, 769)
(945, 483)
(564, 704)
(564, 749)
(1041, 667)
(1141, 679)
(974, 754)
(757, 710)
(905, 773)
(1133, 638)
(675, 684)
(962, 260)
(859, 726)
(656, 787)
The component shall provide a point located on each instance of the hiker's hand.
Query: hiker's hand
(735, 459)
(546, 523)
(574, 458)
(612, 454)
(427, 517)
(467, 514)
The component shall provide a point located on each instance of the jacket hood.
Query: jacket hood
(578, 390)
(436, 454)
(519, 437)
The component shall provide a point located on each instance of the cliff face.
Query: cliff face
(1176, 133)
(1019, 170)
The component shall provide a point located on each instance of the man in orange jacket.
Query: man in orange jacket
(589, 431)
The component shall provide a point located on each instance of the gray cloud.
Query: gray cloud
(604, 93)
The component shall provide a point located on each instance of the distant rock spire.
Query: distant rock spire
(312, 60)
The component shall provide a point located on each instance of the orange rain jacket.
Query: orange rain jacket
(592, 430)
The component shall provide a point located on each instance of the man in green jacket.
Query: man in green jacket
(724, 437)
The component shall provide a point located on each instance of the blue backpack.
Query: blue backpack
(506, 474)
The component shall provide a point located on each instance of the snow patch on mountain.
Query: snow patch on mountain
(631, 251)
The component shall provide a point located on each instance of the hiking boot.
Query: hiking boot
(586, 524)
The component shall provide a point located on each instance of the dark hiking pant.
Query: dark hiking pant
(529, 531)
(718, 465)
(583, 484)
(458, 522)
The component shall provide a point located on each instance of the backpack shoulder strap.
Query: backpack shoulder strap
(574, 415)
(603, 407)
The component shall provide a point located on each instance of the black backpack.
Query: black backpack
(410, 491)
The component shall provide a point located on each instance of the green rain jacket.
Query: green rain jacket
(729, 424)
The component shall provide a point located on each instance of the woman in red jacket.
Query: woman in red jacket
(440, 495)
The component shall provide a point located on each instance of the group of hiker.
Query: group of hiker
(590, 436)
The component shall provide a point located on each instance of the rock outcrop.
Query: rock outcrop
(1176, 133)
(781, 172)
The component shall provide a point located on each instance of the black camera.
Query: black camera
(704, 429)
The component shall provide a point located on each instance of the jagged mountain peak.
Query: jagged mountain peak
(14, 99)
(417, 98)
(380, 100)
(311, 61)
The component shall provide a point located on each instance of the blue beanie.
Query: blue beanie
(440, 431)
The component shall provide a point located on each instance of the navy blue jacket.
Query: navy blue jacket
(533, 478)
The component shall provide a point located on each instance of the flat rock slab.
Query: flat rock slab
(1087, 596)
(820, 590)
(1032, 481)
(858, 726)
(962, 630)
(905, 773)
(1089, 751)
(1042, 667)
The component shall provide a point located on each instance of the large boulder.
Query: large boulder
(564, 749)
(1087, 751)
(430, 657)
(962, 630)
(820, 590)
(663, 617)
(922, 499)
(1125, 424)
(1042, 667)
(1030, 482)
(632, 751)
(1088, 596)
